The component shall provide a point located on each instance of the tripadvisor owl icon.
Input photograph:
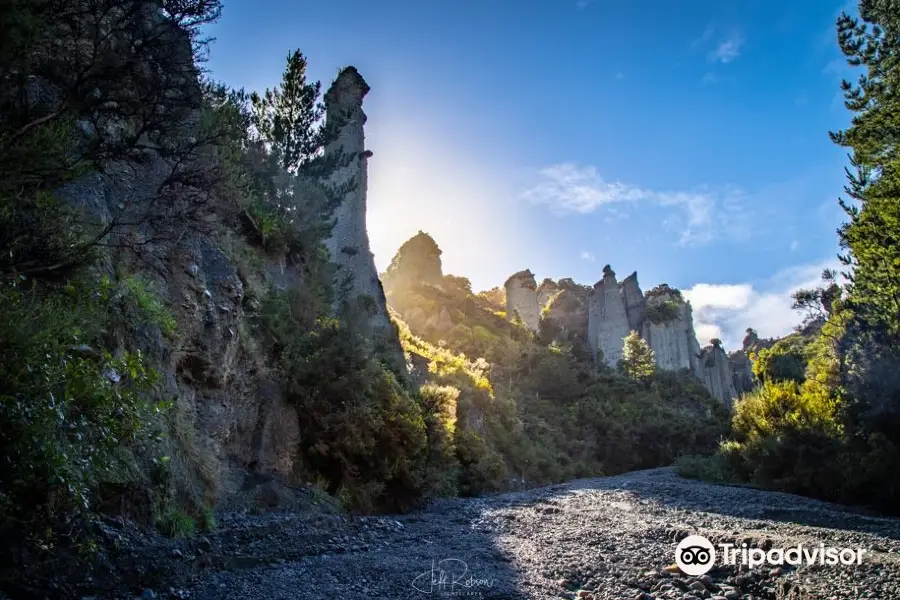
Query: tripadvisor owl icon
(695, 555)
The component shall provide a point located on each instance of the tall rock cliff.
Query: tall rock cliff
(605, 315)
(608, 321)
(545, 292)
(522, 299)
(669, 330)
(716, 372)
(564, 318)
(349, 241)
(634, 302)
(417, 261)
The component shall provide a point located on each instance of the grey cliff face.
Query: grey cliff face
(672, 338)
(717, 373)
(522, 298)
(546, 290)
(349, 241)
(607, 319)
(741, 371)
(610, 311)
(634, 302)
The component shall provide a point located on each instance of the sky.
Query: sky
(687, 141)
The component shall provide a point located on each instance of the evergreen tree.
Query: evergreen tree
(638, 360)
(871, 236)
(289, 119)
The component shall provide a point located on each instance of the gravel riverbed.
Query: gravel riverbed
(603, 538)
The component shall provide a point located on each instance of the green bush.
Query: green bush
(784, 361)
(663, 312)
(175, 523)
(711, 468)
(361, 431)
(67, 405)
(441, 465)
(145, 305)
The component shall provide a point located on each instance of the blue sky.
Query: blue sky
(685, 140)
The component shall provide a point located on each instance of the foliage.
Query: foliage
(146, 304)
(175, 523)
(637, 361)
(441, 466)
(361, 431)
(66, 111)
(665, 311)
(714, 468)
(784, 361)
(290, 118)
(827, 420)
(67, 406)
(531, 414)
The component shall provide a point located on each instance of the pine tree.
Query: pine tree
(638, 360)
(871, 236)
(290, 118)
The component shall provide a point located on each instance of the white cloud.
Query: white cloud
(728, 49)
(704, 37)
(726, 311)
(588, 256)
(700, 216)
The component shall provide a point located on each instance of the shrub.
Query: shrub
(713, 469)
(663, 312)
(175, 523)
(441, 465)
(361, 431)
(67, 406)
(784, 361)
(637, 361)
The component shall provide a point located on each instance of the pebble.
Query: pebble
(615, 540)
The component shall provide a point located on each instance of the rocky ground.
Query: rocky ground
(611, 537)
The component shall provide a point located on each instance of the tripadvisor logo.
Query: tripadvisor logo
(695, 555)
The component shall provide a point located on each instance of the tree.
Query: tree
(89, 85)
(638, 360)
(290, 133)
(871, 235)
(290, 118)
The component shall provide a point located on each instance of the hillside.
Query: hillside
(207, 390)
(533, 409)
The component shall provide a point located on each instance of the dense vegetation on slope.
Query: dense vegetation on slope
(529, 412)
(79, 409)
(97, 301)
(826, 421)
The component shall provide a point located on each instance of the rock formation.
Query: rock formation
(716, 372)
(545, 292)
(741, 371)
(522, 299)
(669, 329)
(417, 261)
(607, 319)
(634, 302)
(349, 241)
(741, 365)
(565, 316)
(605, 314)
